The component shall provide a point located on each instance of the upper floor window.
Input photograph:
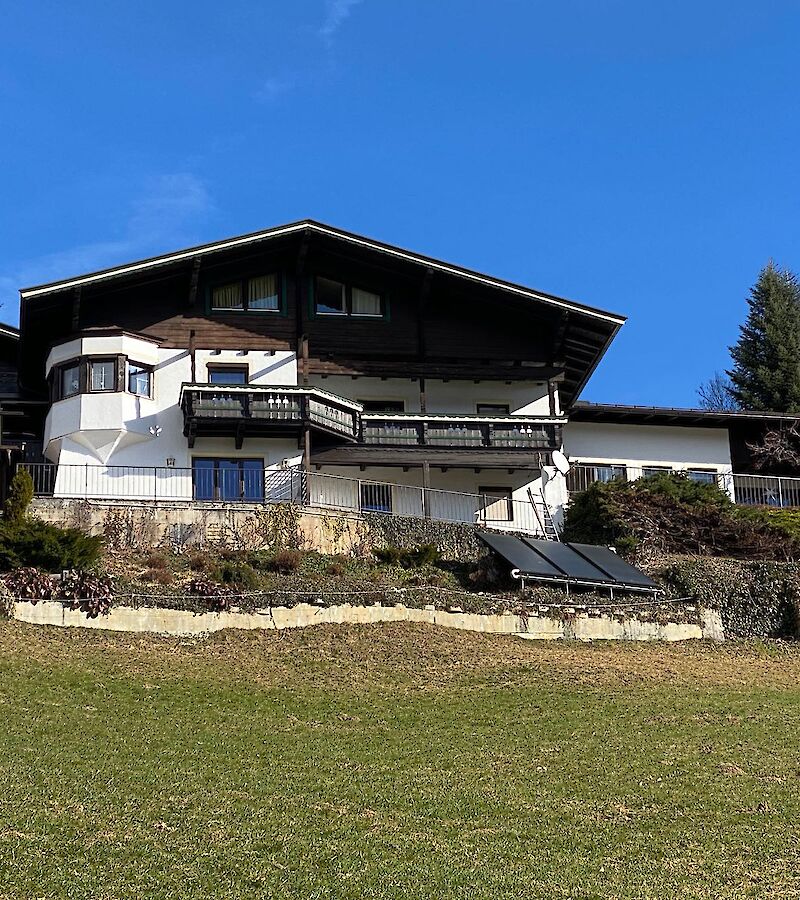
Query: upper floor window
(96, 374)
(140, 380)
(493, 409)
(383, 406)
(102, 375)
(334, 298)
(70, 380)
(227, 375)
(256, 294)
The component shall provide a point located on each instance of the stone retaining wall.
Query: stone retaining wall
(136, 525)
(581, 626)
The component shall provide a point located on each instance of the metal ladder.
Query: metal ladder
(545, 520)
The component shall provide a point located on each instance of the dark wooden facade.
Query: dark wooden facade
(437, 324)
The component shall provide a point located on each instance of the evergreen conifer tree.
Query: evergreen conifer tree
(766, 358)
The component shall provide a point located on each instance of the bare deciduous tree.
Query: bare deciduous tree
(716, 394)
(779, 447)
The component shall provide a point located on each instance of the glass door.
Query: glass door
(228, 480)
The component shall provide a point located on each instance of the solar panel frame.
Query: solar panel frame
(586, 565)
(522, 557)
(571, 564)
(615, 567)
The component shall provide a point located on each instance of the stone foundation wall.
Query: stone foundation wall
(576, 626)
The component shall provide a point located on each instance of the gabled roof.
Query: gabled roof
(329, 231)
(9, 331)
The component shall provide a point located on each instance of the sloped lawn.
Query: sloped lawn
(395, 761)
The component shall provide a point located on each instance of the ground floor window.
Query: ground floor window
(497, 505)
(375, 497)
(228, 479)
(651, 471)
(702, 475)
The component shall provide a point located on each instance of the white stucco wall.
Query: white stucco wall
(678, 447)
(122, 430)
(455, 397)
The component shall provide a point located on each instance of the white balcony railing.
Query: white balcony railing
(748, 490)
(159, 484)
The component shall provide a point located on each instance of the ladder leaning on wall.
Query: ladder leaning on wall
(545, 519)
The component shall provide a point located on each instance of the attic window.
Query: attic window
(334, 298)
(256, 294)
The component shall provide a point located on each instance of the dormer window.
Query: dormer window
(256, 294)
(334, 298)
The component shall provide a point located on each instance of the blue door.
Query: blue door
(228, 480)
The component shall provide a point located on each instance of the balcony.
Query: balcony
(241, 411)
(403, 439)
(500, 432)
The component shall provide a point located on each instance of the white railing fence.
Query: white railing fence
(748, 490)
(291, 485)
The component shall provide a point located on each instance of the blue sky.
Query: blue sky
(640, 157)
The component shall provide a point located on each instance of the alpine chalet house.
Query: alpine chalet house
(310, 364)
(223, 371)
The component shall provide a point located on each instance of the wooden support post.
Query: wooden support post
(304, 357)
(426, 486)
(193, 354)
(307, 449)
(551, 394)
(194, 280)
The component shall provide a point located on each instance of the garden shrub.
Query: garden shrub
(30, 542)
(158, 576)
(286, 561)
(408, 557)
(240, 575)
(20, 495)
(88, 592)
(217, 598)
(156, 560)
(673, 514)
(200, 562)
(28, 583)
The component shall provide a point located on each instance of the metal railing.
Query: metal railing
(747, 490)
(291, 485)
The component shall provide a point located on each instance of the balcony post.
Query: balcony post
(426, 486)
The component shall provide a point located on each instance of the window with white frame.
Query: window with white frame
(140, 380)
(102, 375)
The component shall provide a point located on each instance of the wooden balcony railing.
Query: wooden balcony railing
(501, 432)
(263, 410)
(257, 410)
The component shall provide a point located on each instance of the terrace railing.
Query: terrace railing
(748, 490)
(292, 485)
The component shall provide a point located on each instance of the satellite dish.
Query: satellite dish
(560, 462)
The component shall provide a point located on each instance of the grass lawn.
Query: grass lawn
(395, 761)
